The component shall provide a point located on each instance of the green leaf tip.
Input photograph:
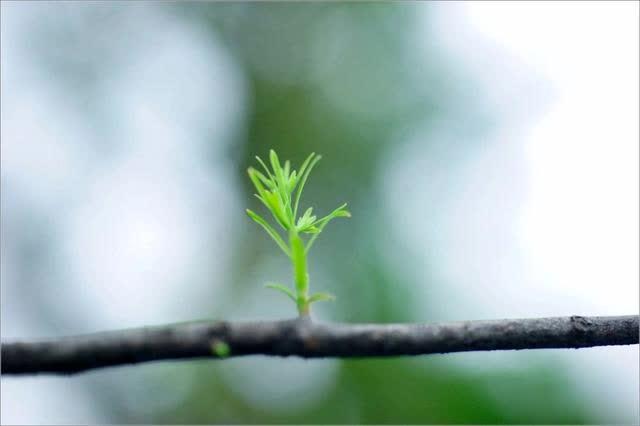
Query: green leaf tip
(279, 188)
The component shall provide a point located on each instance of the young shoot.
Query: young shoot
(279, 189)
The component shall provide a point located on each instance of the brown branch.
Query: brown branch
(310, 340)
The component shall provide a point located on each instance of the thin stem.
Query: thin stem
(300, 275)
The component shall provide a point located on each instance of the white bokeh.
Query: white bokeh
(541, 219)
(134, 226)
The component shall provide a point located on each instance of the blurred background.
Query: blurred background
(488, 153)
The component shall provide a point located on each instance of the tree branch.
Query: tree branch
(310, 340)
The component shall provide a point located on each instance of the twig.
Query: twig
(310, 340)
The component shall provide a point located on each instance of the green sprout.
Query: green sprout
(279, 190)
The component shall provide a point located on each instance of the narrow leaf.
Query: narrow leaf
(303, 179)
(320, 224)
(274, 203)
(263, 201)
(339, 212)
(321, 297)
(311, 230)
(280, 287)
(268, 182)
(300, 172)
(256, 181)
(272, 232)
(287, 168)
(281, 181)
(275, 164)
(266, 169)
(306, 163)
(292, 181)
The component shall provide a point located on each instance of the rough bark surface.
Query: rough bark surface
(304, 338)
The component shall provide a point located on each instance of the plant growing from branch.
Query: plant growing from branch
(279, 189)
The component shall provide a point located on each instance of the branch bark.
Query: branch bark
(310, 340)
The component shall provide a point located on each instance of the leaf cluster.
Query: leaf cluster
(279, 189)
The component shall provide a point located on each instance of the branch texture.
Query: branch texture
(310, 340)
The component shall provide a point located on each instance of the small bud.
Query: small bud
(220, 349)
